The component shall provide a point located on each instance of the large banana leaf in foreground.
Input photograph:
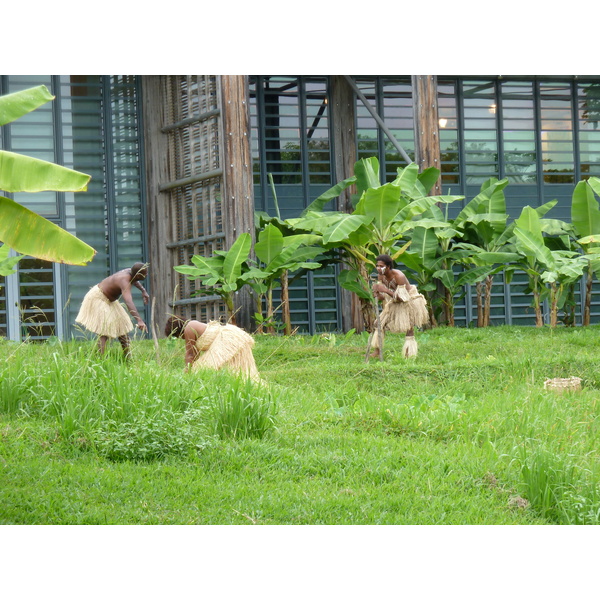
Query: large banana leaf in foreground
(20, 228)
(28, 233)
(19, 173)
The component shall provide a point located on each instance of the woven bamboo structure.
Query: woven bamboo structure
(199, 183)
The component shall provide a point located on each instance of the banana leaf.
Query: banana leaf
(349, 280)
(236, 255)
(366, 171)
(407, 178)
(19, 173)
(530, 245)
(585, 214)
(7, 263)
(345, 226)
(30, 234)
(325, 198)
(381, 205)
(14, 106)
(428, 177)
(269, 244)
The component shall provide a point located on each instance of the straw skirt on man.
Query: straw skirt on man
(402, 313)
(103, 317)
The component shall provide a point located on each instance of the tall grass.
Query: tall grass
(468, 418)
(126, 412)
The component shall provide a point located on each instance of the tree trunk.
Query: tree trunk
(588, 298)
(269, 318)
(553, 305)
(449, 308)
(489, 280)
(285, 304)
(479, 294)
(539, 317)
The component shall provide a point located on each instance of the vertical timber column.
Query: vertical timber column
(156, 153)
(425, 108)
(238, 195)
(343, 114)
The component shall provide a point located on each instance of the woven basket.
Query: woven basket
(559, 385)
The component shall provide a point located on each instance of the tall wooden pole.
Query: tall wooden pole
(238, 194)
(426, 125)
(343, 114)
(156, 168)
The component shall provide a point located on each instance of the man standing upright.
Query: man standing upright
(103, 314)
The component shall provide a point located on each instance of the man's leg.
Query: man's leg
(102, 343)
(124, 339)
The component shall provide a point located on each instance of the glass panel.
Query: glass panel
(519, 141)
(556, 133)
(588, 98)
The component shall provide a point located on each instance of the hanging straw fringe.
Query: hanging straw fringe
(410, 348)
(226, 346)
(103, 317)
(401, 316)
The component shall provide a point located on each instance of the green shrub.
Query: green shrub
(151, 437)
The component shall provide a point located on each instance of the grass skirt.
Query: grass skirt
(402, 316)
(103, 317)
(228, 347)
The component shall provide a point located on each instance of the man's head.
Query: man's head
(139, 271)
(384, 262)
(175, 326)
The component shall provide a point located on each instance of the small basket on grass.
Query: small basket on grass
(561, 385)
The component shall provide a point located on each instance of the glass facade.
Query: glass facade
(540, 133)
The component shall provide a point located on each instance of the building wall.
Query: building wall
(540, 133)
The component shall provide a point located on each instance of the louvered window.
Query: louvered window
(291, 141)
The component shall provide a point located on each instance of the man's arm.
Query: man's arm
(126, 295)
(191, 351)
(139, 286)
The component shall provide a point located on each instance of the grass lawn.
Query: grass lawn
(463, 434)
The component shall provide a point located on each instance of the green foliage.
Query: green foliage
(21, 229)
(222, 274)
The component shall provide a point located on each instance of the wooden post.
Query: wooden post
(155, 149)
(426, 124)
(238, 194)
(343, 113)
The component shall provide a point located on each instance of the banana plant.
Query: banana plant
(482, 224)
(381, 222)
(557, 268)
(279, 255)
(585, 217)
(20, 228)
(221, 274)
